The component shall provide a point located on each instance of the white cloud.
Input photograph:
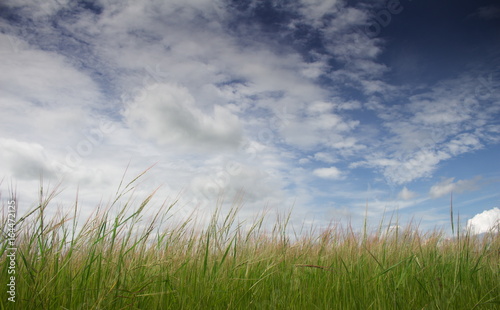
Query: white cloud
(344, 37)
(179, 76)
(320, 107)
(314, 70)
(325, 157)
(440, 123)
(403, 169)
(406, 194)
(332, 173)
(303, 161)
(347, 105)
(41, 93)
(463, 143)
(257, 185)
(169, 115)
(487, 221)
(24, 160)
(447, 186)
(318, 127)
(47, 79)
(314, 10)
(184, 91)
(453, 106)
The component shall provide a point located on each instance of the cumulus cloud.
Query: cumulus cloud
(168, 114)
(487, 221)
(25, 160)
(447, 186)
(406, 194)
(332, 173)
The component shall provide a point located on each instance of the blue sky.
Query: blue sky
(337, 109)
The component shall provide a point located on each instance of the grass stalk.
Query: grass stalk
(122, 259)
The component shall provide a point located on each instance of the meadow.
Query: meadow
(123, 260)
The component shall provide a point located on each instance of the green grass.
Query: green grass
(120, 260)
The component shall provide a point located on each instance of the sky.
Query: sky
(336, 111)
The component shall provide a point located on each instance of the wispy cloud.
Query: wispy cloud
(447, 186)
(439, 123)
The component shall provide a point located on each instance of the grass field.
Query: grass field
(118, 260)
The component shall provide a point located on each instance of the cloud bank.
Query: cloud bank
(485, 222)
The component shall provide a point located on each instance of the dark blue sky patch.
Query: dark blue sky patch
(11, 15)
(270, 22)
(307, 40)
(434, 40)
(272, 18)
(92, 6)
